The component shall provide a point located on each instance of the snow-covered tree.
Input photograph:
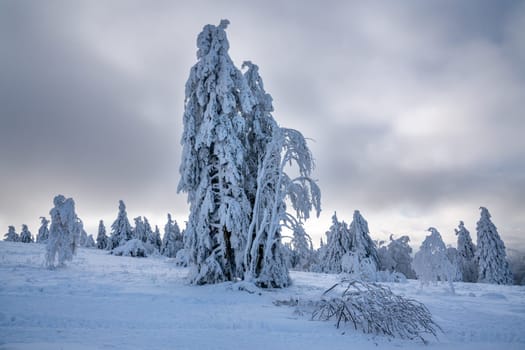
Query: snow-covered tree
(431, 263)
(492, 263)
(338, 243)
(139, 232)
(43, 231)
(452, 255)
(11, 235)
(466, 255)
(90, 242)
(120, 229)
(400, 252)
(84, 239)
(155, 240)
(232, 168)
(213, 159)
(25, 235)
(302, 252)
(64, 232)
(102, 238)
(172, 241)
(364, 247)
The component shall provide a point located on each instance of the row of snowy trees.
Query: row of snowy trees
(141, 236)
(350, 249)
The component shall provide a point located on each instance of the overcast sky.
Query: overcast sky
(415, 108)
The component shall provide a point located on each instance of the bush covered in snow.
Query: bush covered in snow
(135, 248)
(373, 308)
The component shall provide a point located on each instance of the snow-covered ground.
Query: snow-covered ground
(100, 301)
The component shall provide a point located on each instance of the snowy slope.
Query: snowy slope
(101, 301)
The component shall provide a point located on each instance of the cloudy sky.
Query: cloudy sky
(415, 109)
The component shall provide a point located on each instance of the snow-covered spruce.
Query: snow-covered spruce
(431, 263)
(172, 242)
(302, 252)
(373, 308)
(43, 231)
(139, 231)
(121, 231)
(213, 159)
(466, 251)
(396, 257)
(338, 243)
(64, 232)
(361, 261)
(25, 235)
(492, 263)
(102, 238)
(155, 240)
(11, 235)
(233, 171)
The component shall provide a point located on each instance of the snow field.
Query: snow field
(100, 301)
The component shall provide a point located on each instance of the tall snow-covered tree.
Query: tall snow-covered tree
(64, 232)
(25, 235)
(466, 255)
(172, 241)
(11, 235)
(121, 231)
(232, 168)
(338, 243)
(213, 159)
(43, 231)
(431, 262)
(493, 266)
(102, 238)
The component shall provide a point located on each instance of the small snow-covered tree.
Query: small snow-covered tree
(25, 235)
(120, 229)
(338, 243)
(64, 232)
(466, 255)
(84, 239)
(363, 246)
(431, 263)
(400, 252)
(102, 238)
(302, 252)
(90, 242)
(139, 232)
(172, 241)
(493, 266)
(155, 240)
(452, 255)
(43, 231)
(11, 235)
(213, 159)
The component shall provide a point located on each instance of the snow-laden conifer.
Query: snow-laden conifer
(431, 263)
(155, 240)
(120, 229)
(11, 235)
(172, 241)
(102, 238)
(302, 252)
(43, 231)
(213, 159)
(492, 262)
(84, 239)
(139, 231)
(64, 232)
(466, 251)
(338, 243)
(25, 235)
(400, 254)
(364, 247)
(265, 264)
